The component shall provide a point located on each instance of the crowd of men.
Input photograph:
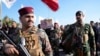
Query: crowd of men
(76, 39)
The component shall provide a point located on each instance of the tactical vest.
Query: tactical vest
(69, 44)
(82, 41)
(32, 42)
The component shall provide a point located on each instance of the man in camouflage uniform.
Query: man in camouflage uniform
(44, 41)
(28, 32)
(79, 37)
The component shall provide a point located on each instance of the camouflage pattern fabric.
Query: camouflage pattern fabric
(32, 42)
(82, 40)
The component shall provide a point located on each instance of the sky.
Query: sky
(64, 15)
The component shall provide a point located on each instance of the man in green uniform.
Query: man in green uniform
(28, 32)
(79, 37)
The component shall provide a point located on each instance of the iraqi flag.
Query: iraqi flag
(52, 4)
(8, 3)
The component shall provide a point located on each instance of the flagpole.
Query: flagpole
(0, 9)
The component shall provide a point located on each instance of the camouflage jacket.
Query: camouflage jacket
(81, 38)
(44, 41)
(31, 41)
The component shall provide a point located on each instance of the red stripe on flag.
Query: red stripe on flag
(52, 4)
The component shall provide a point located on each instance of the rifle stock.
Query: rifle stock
(22, 50)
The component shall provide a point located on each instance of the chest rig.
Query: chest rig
(32, 42)
(31, 38)
(82, 33)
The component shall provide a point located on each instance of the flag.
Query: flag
(52, 4)
(8, 3)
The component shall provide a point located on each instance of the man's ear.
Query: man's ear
(20, 19)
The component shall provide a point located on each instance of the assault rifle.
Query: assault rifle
(22, 50)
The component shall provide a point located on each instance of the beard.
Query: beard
(28, 23)
(79, 21)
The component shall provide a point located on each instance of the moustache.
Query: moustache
(30, 21)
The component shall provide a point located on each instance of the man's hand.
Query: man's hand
(10, 49)
(48, 47)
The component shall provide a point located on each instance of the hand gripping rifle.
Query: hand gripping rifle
(22, 50)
